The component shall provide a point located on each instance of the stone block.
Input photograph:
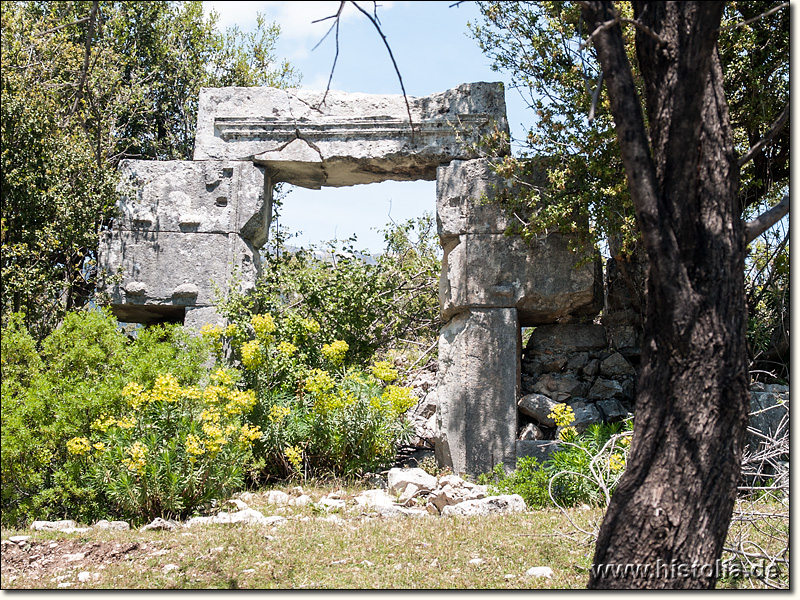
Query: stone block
(567, 337)
(478, 384)
(165, 272)
(461, 188)
(314, 139)
(538, 449)
(542, 280)
(538, 406)
(194, 197)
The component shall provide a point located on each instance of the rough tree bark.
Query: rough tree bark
(674, 503)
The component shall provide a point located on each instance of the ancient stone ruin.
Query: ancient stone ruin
(190, 229)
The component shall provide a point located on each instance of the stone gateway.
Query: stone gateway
(187, 229)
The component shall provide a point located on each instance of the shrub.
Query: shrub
(53, 395)
(174, 448)
(584, 469)
(315, 412)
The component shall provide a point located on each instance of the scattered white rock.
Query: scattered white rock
(19, 539)
(509, 503)
(76, 530)
(65, 584)
(412, 489)
(278, 497)
(53, 525)
(400, 511)
(332, 504)
(84, 576)
(114, 525)
(170, 567)
(399, 479)
(74, 557)
(302, 500)
(370, 498)
(238, 504)
(248, 571)
(246, 496)
(195, 521)
(159, 524)
(539, 572)
(477, 561)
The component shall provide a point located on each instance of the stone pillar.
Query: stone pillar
(491, 285)
(478, 387)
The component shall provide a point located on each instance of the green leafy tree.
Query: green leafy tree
(85, 84)
(678, 111)
(571, 154)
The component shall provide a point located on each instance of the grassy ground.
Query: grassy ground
(314, 549)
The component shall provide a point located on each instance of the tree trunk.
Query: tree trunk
(672, 508)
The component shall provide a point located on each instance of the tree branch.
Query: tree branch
(756, 18)
(60, 27)
(396, 69)
(765, 220)
(87, 53)
(773, 131)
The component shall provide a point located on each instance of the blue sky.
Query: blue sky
(434, 52)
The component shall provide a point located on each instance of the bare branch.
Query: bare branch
(60, 27)
(396, 69)
(765, 220)
(761, 16)
(781, 121)
(620, 19)
(87, 53)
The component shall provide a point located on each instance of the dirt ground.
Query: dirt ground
(67, 562)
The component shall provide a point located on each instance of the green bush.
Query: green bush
(54, 394)
(174, 449)
(316, 413)
(584, 469)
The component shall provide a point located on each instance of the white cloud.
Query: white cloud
(295, 18)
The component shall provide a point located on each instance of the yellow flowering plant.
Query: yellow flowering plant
(177, 447)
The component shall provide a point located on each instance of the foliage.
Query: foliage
(83, 85)
(174, 448)
(584, 468)
(383, 304)
(53, 395)
(317, 411)
(570, 160)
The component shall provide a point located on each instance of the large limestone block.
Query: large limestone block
(464, 189)
(194, 197)
(312, 139)
(172, 270)
(541, 280)
(478, 388)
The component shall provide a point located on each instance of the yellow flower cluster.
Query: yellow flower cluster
(194, 447)
(78, 446)
(334, 352)
(137, 461)
(104, 423)
(399, 398)
(616, 462)
(384, 371)
(310, 325)
(319, 382)
(252, 357)
(214, 334)
(562, 414)
(264, 326)
(295, 457)
(567, 434)
(166, 389)
(249, 433)
(222, 377)
(286, 349)
(278, 413)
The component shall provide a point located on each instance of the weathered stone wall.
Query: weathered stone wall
(184, 231)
